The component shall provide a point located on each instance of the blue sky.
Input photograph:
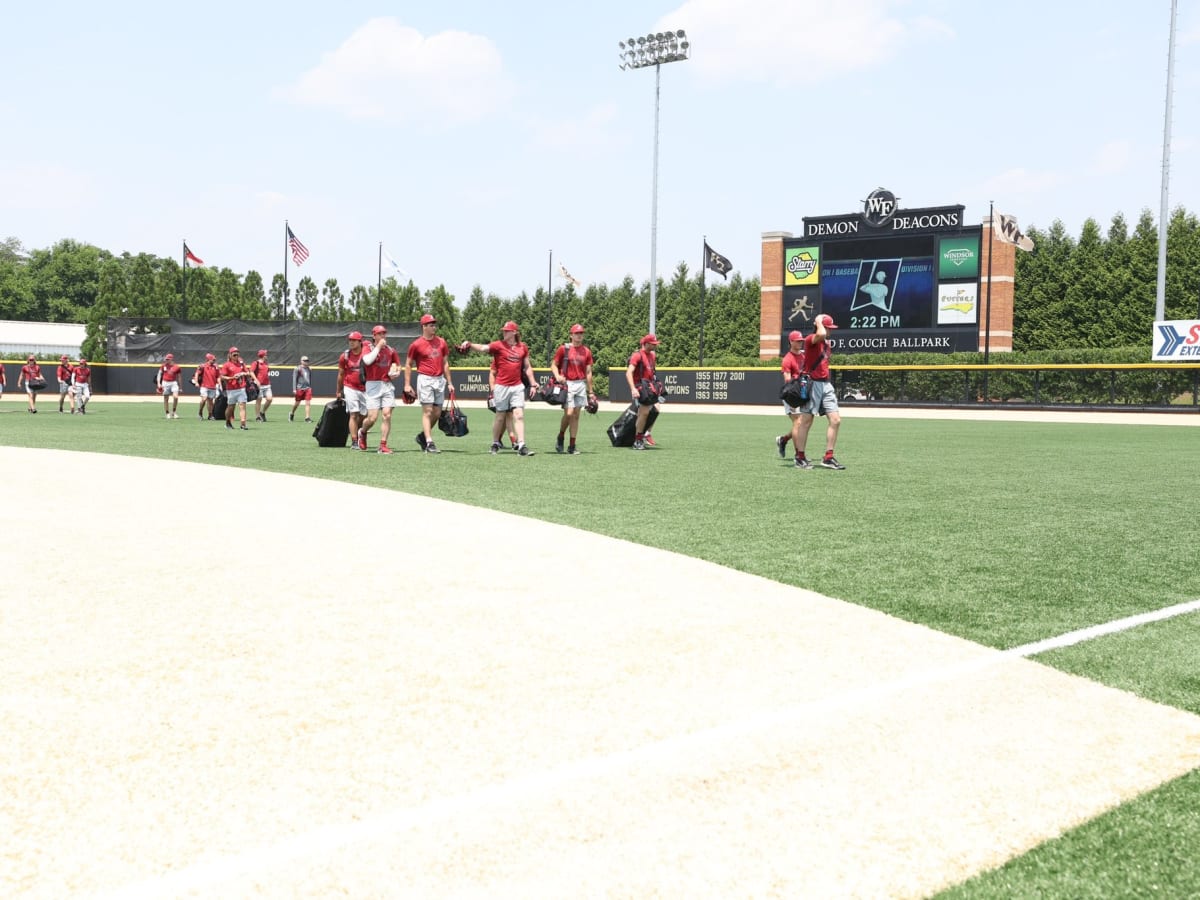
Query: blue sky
(472, 138)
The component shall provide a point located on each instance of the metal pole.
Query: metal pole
(703, 266)
(654, 206)
(1160, 294)
(987, 330)
(549, 304)
(379, 287)
(286, 249)
(185, 268)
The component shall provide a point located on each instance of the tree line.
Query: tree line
(1094, 292)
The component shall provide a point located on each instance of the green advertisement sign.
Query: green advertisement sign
(958, 257)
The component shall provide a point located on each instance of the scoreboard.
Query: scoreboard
(892, 279)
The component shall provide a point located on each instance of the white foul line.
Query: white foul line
(1087, 634)
(325, 838)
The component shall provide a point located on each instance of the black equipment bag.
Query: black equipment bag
(552, 392)
(795, 392)
(251, 389)
(621, 432)
(220, 405)
(453, 421)
(333, 428)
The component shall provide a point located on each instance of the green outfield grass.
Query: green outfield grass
(1000, 532)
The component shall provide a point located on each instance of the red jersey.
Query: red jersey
(573, 362)
(508, 362)
(169, 372)
(65, 373)
(208, 375)
(31, 371)
(378, 370)
(643, 362)
(430, 356)
(349, 366)
(236, 373)
(262, 371)
(816, 358)
(793, 365)
(83, 375)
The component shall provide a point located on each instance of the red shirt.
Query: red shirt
(236, 372)
(65, 373)
(31, 371)
(262, 371)
(813, 351)
(793, 365)
(508, 362)
(576, 361)
(378, 370)
(170, 372)
(83, 375)
(643, 362)
(351, 374)
(209, 375)
(430, 356)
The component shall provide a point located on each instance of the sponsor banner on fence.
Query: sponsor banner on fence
(1177, 341)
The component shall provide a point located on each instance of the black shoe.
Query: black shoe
(420, 439)
(292, 416)
(639, 445)
(830, 463)
(781, 446)
(558, 444)
(572, 450)
(495, 448)
(243, 427)
(803, 463)
(522, 450)
(263, 417)
(229, 425)
(431, 447)
(308, 420)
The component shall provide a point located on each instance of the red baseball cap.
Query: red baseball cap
(378, 329)
(354, 336)
(262, 352)
(82, 360)
(168, 356)
(795, 336)
(576, 329)
(233, 350)
(209, 356)
(510, 326)
(427, 319)
(650, 339)
(826, 320)
(64, 356)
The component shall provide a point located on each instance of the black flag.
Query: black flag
(715, 261)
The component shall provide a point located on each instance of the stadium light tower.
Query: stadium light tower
(638, 53)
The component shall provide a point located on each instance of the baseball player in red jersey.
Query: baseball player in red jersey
(510, 358)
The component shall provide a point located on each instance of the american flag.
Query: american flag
(299, 251)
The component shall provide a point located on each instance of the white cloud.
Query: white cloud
(386, 70)
(797, 42)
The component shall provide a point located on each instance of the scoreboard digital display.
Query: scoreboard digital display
(893, 280)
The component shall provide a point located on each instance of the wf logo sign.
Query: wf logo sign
(1177, 341)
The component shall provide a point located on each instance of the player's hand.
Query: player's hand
(464, 347)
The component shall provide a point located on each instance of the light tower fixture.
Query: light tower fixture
(639, 53)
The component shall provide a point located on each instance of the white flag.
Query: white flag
(393, 264)
(563, 273)
(1009, 233)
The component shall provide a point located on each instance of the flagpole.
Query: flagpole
(987, 332)
(183, 305)
(286, 229)
(703, 289)
(379, 287)
(549, 303)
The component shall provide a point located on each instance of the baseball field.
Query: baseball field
(234, 664)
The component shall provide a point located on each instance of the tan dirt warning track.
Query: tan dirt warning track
(449, 724)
